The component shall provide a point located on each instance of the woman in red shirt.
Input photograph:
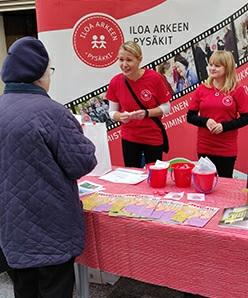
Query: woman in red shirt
(219, 107)
(140, 134)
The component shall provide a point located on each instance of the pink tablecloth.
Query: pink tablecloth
(209, 261)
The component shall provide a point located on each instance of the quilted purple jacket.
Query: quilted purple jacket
(42, 153)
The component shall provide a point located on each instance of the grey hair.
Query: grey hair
(46, 74)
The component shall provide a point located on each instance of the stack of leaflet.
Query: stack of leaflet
(87, 187)
(125, 175)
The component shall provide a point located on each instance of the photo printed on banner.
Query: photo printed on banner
(180, 70)
(241, 29)
(202, 53)
(223, 39)
(94, 110)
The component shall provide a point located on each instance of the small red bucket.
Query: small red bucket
(181, 173)
(157, 176)
(205, 182)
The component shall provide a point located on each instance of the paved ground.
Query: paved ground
(124, 288)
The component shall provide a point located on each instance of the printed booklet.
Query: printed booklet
(235, 217)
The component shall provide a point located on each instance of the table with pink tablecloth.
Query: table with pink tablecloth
(210, 261)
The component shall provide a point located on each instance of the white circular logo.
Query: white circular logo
(227, 100)
(96, 40)
(146, 95)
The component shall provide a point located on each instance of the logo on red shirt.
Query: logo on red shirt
(227, 100)
(97, 39)
(146, 95)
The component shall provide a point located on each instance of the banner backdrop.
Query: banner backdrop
(83, 38)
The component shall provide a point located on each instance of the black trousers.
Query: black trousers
(3, 263)
(56, 281)
(224, 165)
(133, 153)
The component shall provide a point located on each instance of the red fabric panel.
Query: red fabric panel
(59, 15)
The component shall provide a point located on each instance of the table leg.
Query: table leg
(81, 280)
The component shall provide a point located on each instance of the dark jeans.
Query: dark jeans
(56, 281)
(224, 165)
(133, 153)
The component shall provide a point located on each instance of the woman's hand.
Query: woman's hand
(211, 124)
(125, 117)
(214, 127)
(217, 129)
(138, 115)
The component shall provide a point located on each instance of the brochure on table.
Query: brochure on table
(125, 175)
(87, 187)
(150, 208)
(235, 217)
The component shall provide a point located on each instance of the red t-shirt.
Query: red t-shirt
(220, 107)
(152, 92)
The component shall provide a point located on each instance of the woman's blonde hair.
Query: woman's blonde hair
(133, 48)
(226, 59)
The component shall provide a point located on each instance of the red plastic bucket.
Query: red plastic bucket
(181, 173)
(157, 176)
(205, 182)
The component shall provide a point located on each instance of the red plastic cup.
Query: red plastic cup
(181, 173)
(157, 176)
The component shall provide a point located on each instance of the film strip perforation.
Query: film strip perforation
(244, 60)
(86, 97)
(240, 12)
(113, 125)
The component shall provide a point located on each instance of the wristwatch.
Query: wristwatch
(146, 113)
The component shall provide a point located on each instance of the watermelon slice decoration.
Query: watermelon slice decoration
(177, 160)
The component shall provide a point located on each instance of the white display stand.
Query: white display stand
(97, 133)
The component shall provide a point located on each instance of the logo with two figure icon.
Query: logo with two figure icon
(227, 100)
(146, 95)
(97, 39)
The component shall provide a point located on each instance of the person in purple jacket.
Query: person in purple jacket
(43, 152)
